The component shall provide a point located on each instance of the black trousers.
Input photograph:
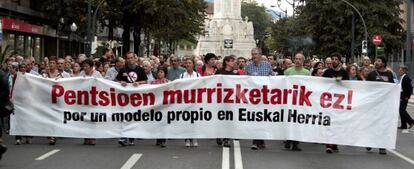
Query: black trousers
(405, 117)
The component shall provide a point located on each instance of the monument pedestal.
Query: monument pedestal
(226, 32)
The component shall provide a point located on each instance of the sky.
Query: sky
(284, 5)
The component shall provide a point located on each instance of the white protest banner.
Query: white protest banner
(307, 109)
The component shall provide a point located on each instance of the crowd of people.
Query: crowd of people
(135, 70)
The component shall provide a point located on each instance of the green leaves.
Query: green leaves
(329, 23)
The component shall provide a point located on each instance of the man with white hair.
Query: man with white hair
(19, 59)
(81, 57)
(258, 67)
(29, 66)
(148, 70)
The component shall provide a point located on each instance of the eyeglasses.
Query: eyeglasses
(174, 60)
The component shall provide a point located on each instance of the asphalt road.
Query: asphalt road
(107, 154)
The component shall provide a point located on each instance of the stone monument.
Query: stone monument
(226, 32)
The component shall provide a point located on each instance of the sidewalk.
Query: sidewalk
(411, 101)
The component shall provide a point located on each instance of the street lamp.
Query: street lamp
(90, 31)
(73, 28)
(59, 26)
(293, 4)
(362, 18)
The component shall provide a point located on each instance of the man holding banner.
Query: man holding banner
(298, 69)
(258, 67)
(381, 74)
(339, 74)
(134, 74)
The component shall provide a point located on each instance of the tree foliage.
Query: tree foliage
(329, 24)
(164, 20)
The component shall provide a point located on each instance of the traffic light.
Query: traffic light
(364, 47)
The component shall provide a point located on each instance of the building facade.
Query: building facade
(29, 32)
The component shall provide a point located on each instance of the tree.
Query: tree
(329, 23)
(257, 14)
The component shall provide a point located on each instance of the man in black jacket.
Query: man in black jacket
(406, 91)
(4, 97)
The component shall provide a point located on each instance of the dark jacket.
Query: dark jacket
(4, 87)
(406, 86)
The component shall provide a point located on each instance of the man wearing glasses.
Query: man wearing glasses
(175, 69)
(258, 67)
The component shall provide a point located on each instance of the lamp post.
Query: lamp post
(90, 31)
(59, 26)
(73, 28)
(408, 37)
(293, 4)
(362, 19)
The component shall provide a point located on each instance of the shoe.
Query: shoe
(187, 143)
(195, 142)
(219, 142)
(296, 148)
(401, 128)
(226, 143)
(254, 147)
(368, 148)
(405, 131)
(382, 151)
(92, 142)
(85, 141)
(287, 145)
(162, 145)
(410, 126)
(122, 142)
(262, 146)
(52, 141)
(18, 142)
(3, 149)
(329, 150)
(335, 148)
(158, 143)
(28, 140)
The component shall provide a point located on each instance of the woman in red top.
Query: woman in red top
(209, 67)
(161, 74)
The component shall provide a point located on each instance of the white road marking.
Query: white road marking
(131, 161)
(48, 154)
(225, 164)
(402, 156)
(238, 163)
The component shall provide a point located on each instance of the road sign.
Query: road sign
(377, 40)
(228, 43)
(364, 47)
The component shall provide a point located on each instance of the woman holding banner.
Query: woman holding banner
(53, 73)
(229, 63)
(89, 72)
(161, 74)
(190, 73)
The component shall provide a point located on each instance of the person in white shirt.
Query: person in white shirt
(148, 71)
(190, 73)
(88, 70)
